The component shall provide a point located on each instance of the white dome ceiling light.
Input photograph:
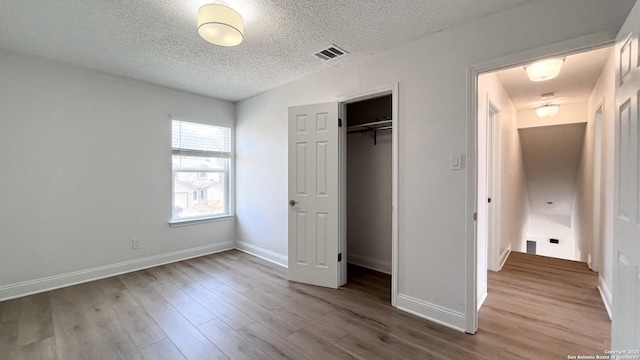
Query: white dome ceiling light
(547, 110)
(220, 25)
(544, 69)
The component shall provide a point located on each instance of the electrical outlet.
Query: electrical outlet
(135, 243)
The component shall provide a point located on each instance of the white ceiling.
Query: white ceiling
(156, 40)
(577, 78)
(551, 159)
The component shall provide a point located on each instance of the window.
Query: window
(201, 160)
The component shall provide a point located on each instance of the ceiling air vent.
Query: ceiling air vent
(330, 53)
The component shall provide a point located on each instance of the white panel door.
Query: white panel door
(313, 194)
(625, 328)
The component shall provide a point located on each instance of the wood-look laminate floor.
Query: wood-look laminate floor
(233, 305)
(545, 308)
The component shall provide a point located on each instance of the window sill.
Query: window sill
(188, 222)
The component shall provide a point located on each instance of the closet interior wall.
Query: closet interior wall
(369, 186)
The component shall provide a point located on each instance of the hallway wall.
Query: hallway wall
(544, 227)
(513, 211)
(553, 221)
(511, 194)
(603, 92)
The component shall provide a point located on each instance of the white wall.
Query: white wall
(543, 227)
(514, 202)
(582, 215)
(512, 194)
(552, 173)
(85, 163)
(603, 92)
(432, 77)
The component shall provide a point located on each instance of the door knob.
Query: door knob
(293, 203)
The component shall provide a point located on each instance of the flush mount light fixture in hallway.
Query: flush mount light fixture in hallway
(544, 69)
(220, 25)
(547, 110)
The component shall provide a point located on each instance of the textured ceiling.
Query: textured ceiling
(577, 78)
(551, 159)
(156, 40)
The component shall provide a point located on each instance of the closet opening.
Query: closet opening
(368, 187)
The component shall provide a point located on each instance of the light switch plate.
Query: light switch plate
(455, 162)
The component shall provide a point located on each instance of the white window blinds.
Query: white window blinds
(191, 139)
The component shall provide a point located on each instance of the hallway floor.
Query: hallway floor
(544, 308)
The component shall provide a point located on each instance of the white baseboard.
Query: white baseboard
(504, 256)
(369, 263)
(263, 253)
(30, 287)
(432, 312)
(606, 295)
(483, 297)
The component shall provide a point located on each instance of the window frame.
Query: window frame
(227, 172)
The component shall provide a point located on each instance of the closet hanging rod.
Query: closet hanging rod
(371, 125)
(371, 129)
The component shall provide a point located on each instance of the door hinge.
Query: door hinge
(339, 122)
(489, 199)
(475, 216)
(339, 257)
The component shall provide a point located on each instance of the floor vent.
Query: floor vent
(330, 53)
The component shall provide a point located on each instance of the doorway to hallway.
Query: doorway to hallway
(545, 191)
